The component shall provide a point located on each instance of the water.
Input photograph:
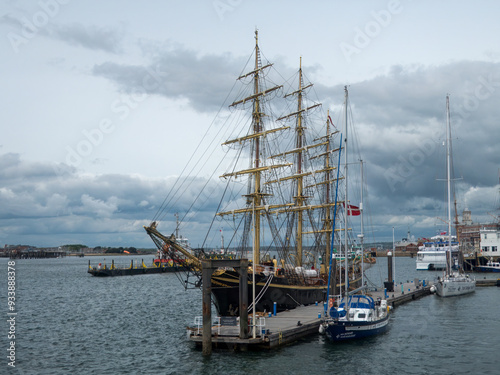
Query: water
(69, 322)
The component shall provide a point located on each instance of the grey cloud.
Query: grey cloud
(96, 210)
(92, 37)
(178, 74)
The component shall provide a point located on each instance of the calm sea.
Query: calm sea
(69, 322)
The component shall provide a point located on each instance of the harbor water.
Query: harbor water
(68, 322)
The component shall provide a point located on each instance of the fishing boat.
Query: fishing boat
(352, 316)
(452, 283)
(281, 214)
(488, 267)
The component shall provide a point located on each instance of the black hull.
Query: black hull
(105, 272)
(474, 263)
(286, 293)
(341, 331)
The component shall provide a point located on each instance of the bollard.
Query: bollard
(316, 303)
(319, 315)
(274, 309)
(402, 289)
(385, 293)
(270, 314)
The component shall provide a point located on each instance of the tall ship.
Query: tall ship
(277, 198)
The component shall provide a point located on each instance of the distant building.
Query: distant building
(490, 242)
(469, 233)
(409, 244)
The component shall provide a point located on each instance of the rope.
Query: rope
(262, 291)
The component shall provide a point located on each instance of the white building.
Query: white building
(490, 242)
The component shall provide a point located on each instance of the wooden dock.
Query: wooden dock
(404, 292)
(289, 326)
(284, 328)
(487, 282)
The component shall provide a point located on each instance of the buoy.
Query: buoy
(321, 329)
(433, 289)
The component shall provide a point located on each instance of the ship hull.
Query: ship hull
(455, 286)
(342, 331)
(287, 295)
(487, 269)
(108, 272)
(281, 290)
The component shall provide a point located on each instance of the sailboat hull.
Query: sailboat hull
(451, 286)
(348, 330)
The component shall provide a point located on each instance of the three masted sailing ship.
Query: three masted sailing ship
(284, 224)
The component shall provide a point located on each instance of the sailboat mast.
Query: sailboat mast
(328, 220)
(448, 179)
(362, 235)
(346, 204)
(257, 126)
(300, 181)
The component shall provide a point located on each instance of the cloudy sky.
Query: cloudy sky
(103, 102)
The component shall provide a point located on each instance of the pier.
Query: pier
(273, 331)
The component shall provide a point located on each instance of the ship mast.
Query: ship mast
(255, 206)
(328, 219)
(257, 126)
(300, 180)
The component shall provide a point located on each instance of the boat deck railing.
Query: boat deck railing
(230, 325)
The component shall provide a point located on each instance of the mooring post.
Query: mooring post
(207, 306)
(243, 299)
(389, 285)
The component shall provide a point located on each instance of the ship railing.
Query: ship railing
(198, 323)
(260, 324)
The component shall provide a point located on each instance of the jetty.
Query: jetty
(269, 330)
(102, 270)
(274, 330)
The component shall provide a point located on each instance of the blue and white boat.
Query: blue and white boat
(489, 267)
(355, 315)
(361, 318)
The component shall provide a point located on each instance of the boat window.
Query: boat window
(361, 315)
(493, 248)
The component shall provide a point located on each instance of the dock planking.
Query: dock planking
(289, 326)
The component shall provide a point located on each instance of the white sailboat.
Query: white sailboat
(452, 283)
